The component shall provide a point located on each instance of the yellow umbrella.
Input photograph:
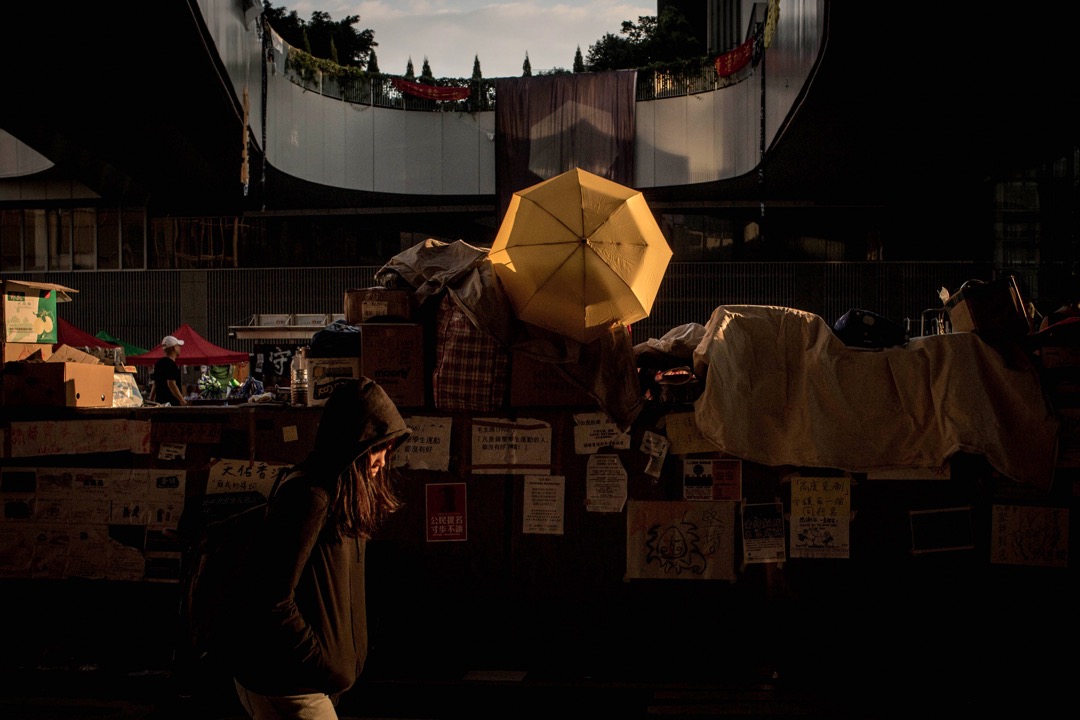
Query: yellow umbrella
(579, 253)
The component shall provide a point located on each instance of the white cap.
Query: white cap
(169, 341)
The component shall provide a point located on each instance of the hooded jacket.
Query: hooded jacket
(301, 617)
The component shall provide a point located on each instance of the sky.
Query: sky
(450, 33)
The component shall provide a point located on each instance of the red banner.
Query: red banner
(734, 61)
(430, 92)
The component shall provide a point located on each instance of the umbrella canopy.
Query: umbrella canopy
(129, 349)
(197, 350)
(68, 334)
(579, 253)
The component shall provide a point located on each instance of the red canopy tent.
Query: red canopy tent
(68, 334)
(197, 350)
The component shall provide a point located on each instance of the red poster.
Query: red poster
(446, 512)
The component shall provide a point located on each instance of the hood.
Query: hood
(358, 415)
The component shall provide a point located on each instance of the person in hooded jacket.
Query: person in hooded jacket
(300, 631)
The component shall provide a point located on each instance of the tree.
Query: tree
(409, 73)
(526, 67)
(323, 37)
(476, 74)
(425, 72)
(579, 63)
(372, 62)
(652, 40)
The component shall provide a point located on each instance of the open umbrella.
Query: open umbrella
(579, 253)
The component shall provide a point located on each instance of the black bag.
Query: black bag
(216, 559)
(865, 329)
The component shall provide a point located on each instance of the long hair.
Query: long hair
(362, 502)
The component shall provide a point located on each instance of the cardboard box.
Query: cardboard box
(29, 310)
(366, 305)
(326, 374)
(537, 383)
(993, 310)
(13, 352)
(392, 354)
(58, 384)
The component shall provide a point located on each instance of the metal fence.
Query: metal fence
(142, 307)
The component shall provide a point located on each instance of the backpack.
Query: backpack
(216, 560)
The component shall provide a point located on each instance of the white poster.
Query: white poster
(428, 447)
(543, 505)
(605, 484)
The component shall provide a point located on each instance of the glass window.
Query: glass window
(59, 239)
(10, 240)
(35, 239)
(84, 226)
(133, 239)
(108, 238)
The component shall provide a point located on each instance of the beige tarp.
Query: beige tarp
(782, 389)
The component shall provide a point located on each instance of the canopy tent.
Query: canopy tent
(197, 350)
(68, 334)
(129, 349)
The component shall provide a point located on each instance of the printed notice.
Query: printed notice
(543, 505)
(763, 532)
(509, 447)
(594, 431)
(446, 510)
(428, 447)
(712, 479)
(605, 484)
(820, 517)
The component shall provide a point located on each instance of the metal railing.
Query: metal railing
(379, 90)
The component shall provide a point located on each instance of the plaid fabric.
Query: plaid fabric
(471, 368)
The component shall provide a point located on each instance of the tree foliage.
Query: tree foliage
(579, 62)
(476, 74)
(425, 71)
(322, 36)
(651, 41)
(526, 67)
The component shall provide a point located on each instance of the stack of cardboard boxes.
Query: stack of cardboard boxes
(422, 359)
(33, 374)
(390, 349)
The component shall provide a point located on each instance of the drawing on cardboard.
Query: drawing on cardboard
(686, 540)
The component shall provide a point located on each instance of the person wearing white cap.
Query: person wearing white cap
(167, 374)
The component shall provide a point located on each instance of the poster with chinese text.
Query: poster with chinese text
(820, 517)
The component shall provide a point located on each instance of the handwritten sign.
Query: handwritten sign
(595, 430)
(521, 447)
(680, 540)
(820, 517)
(235, 476)
(428, 447)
